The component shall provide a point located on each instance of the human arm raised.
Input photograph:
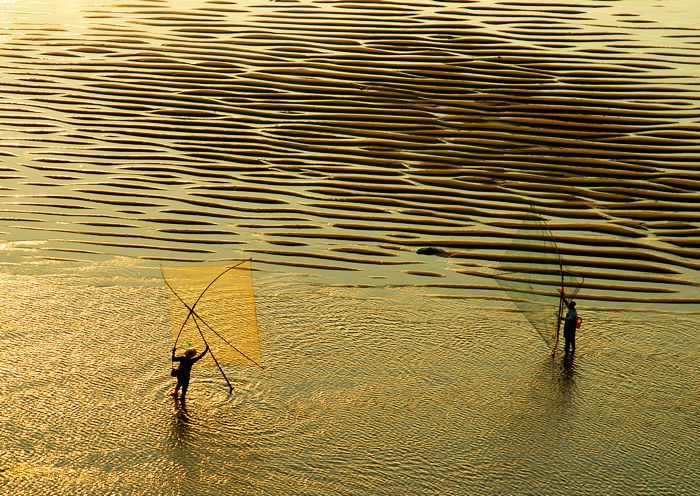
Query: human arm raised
(202, 353)
(561, 293)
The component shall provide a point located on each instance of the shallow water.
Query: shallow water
(329, 140)
(384, 392)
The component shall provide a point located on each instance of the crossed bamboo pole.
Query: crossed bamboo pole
(195, 317)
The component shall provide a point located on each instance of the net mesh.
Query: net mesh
(223, 300)
(531, 273)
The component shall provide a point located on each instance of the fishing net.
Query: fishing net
(531, 272)
(223, 304)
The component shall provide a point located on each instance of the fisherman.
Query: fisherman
(570, 326)
(184, 369)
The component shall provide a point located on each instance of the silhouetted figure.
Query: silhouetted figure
(184, 369)
(570, 326)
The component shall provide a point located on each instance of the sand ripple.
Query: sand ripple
(343, 136)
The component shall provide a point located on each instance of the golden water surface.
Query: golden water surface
(330, 141)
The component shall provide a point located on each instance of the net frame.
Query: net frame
(534, 276)
(215, 306)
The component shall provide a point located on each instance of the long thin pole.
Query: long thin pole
(230, 387)
(194, 318)
(561, 273)
(195, 314)
(561, 307)
(561, 294)
(191, 312)
(227, 342)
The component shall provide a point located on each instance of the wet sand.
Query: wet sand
(343, 136)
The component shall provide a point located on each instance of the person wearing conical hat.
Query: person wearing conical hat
(185, 368)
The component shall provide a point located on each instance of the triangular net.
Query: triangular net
(531, 273)
(223, 299)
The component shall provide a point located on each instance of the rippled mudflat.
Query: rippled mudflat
(329, 141)
(343, 136)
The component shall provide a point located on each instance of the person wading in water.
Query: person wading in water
(184, 369)
(570, 321)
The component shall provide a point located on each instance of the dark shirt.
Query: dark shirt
(570, 319)
(185, 367)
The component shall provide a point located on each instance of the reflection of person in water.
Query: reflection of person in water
(570, 326)
(184, 369)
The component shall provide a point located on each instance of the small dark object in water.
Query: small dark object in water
(430, 250)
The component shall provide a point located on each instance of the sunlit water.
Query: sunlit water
(363, 392)
(329, 141)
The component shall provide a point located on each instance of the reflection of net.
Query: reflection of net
(225, 311)
(531, 273)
